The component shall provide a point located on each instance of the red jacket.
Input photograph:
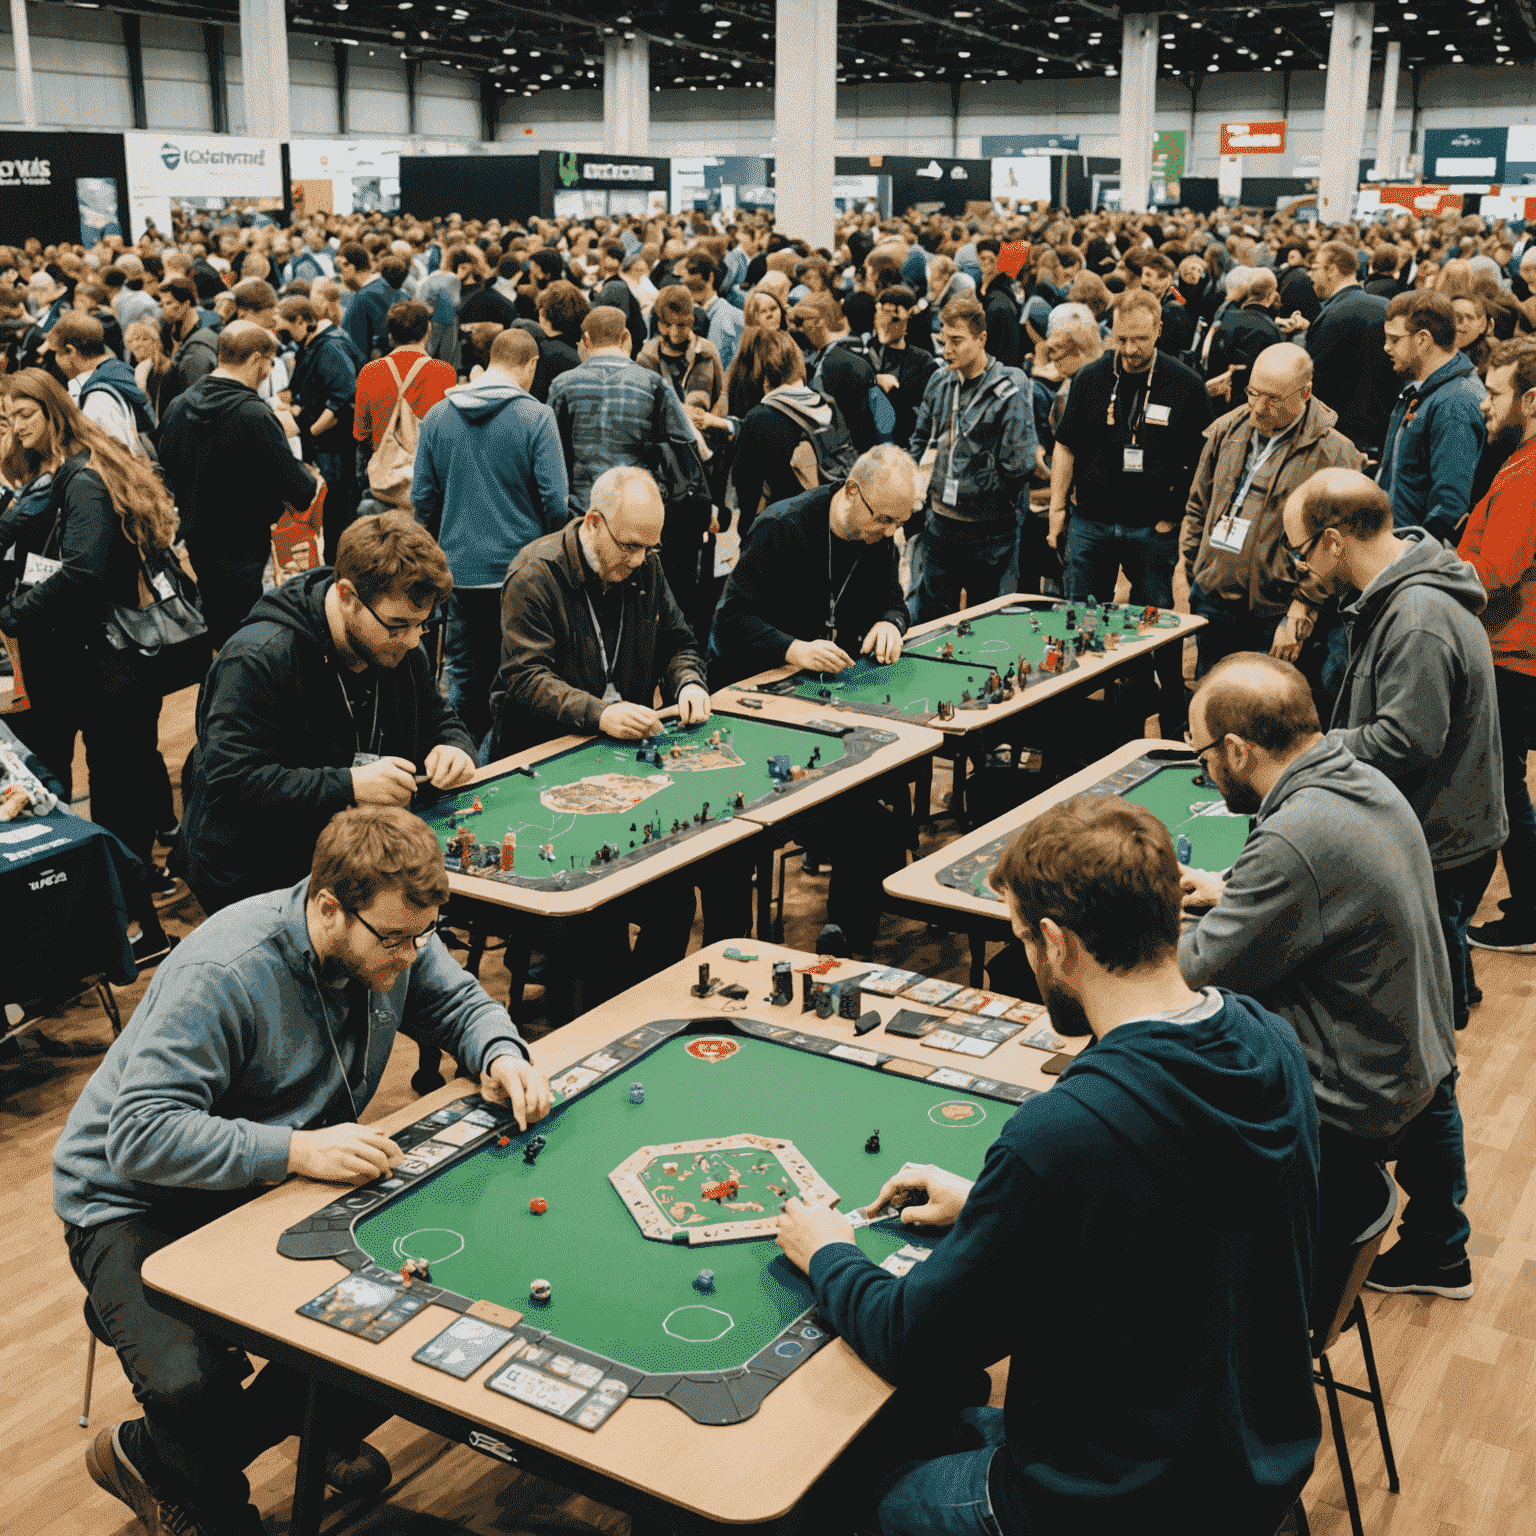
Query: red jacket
(1500, 544)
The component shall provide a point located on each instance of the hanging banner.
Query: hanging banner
(1465, 154)
(63, 186)
(345, 176)
(1024, 179)
(1168, 148)
(1014, 146)
(1250, 138)
(199, 172)
(1424, 201)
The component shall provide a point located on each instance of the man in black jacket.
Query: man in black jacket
(836, 370)
(902, 365)
(192, 348)
(1247, 328)
(1001, 300)
(1352, 371)
(779, 608)
(323, 699)
(323, 390)
(228, 462)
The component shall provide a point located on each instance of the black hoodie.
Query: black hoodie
(230, 468)
(276, 740)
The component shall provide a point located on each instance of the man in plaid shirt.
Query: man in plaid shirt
(611, 411)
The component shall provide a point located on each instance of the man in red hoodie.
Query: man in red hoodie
(1500, 544)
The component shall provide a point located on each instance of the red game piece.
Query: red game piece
(503, 1141)
(508, 851)
(539, 1206)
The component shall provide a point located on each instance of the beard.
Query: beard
(1067, 1015)
(1242, 799)
(1505, 436)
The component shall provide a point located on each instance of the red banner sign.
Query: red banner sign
(1251, 138)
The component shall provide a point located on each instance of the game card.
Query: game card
(571, 1081)
(943, 1039)
(987, 1004)
(463, 1347)
(1043, 1039)
(457, 1135)
(912, 1025)
(888, 981)
(395, 1315)
(930, 990)
(351, 1304)
(1026, 1013)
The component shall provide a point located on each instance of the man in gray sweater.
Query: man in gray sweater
(252, 1057)
(1418, 699)
(1329, 918)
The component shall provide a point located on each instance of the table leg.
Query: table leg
(922, 798)
(957, 789)
(978, 959)
(309, 1480)
(765, 892)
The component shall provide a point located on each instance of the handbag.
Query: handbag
(162, 643)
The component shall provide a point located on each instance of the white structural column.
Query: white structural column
(1138, 101)
(1344, 109)
(1386, 125)
(264, 68)
(805, 117)
(26, 92)
(627, 96)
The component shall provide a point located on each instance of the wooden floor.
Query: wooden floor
(1460, 1377)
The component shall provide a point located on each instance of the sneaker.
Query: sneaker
(111, 1470)
(364, 1473)
(1397, 1271)
(1513, 935)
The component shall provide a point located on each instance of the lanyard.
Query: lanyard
(1146, 399)
(832, 602)
(602, 650)
(373, 734)
(1250, 474)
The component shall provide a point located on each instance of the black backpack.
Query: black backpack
(832, 455)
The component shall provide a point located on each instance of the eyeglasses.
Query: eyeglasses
(1393, 337)
(1200, 752)
(1300, 555)
(629, 548)
(396, 941)
(394, 628)
(1263, 397)
(878, 518)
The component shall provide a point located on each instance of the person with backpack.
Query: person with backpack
(975, 434)
(794, 441)
(192, 348)
(489, 479)
(101, 385)
(394, 394)
(226, 459)
(838, 368)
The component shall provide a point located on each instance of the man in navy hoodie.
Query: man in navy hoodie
(1172, 1394)
(251, 1058)
(489, 480)
(102, 386)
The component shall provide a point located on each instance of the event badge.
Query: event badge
(1134, 458)
(39, 568)
(611, 694)
(1157, 415)
(951, 496)
(1230, 534)
(363, 759)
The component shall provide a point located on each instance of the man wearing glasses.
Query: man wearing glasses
(323, 699)
(252, 1057)
(1242, 580)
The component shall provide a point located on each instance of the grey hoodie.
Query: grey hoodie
(1417, 700)
(1329, 919)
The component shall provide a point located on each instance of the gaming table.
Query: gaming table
(949, 888)
(593, 819)
(939, 666)
(632, 1378)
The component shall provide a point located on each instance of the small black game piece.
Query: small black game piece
(703, 987)
(808, 985)
(783, 983)
(946, 709)
(873, 1144)
(1071, 618)
(705, 1281)
(849, 1000)
(632, 828)
(965, 695)
(866, 1022)
(963, 628)
(823, 1001)
(741, 801)
(1198, 781)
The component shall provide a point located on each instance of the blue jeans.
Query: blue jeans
(1517, 725)
(1095, 554)
(1229, 628)
(471, 655)
(956, 556)
(1457, 893)
(948, 1495)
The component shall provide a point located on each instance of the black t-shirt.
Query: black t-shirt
(362, 690)
(1167, 428)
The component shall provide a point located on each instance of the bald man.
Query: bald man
(1329, 918)
(1242, 580)
(612, 412)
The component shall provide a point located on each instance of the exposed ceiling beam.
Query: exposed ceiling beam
(911, 13)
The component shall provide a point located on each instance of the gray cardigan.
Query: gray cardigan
(1329, 919)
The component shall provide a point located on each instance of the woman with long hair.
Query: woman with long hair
(1472, 330)
(80, 554)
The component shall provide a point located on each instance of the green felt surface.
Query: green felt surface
(513, 801)
(1197, 811)
(613, 1288)
(919, 680)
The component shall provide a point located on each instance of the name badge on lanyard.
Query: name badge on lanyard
(1230, 534)
(1133, 459)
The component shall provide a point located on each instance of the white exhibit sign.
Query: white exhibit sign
(200, 169)
(364, 173)
(1022, 178)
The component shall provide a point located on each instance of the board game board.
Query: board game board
(626, 1317)
(954, 665)
(574, 816)
(1172, 786)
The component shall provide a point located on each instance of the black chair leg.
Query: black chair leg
(1378, 1402)
(1341, 1447)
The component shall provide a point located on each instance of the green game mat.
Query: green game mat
(913, 686)
(564, 810)
(1168, 790)
(628, 1301)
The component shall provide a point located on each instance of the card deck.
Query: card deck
(912, 1025)
(351, 1304)
(463, 1347)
